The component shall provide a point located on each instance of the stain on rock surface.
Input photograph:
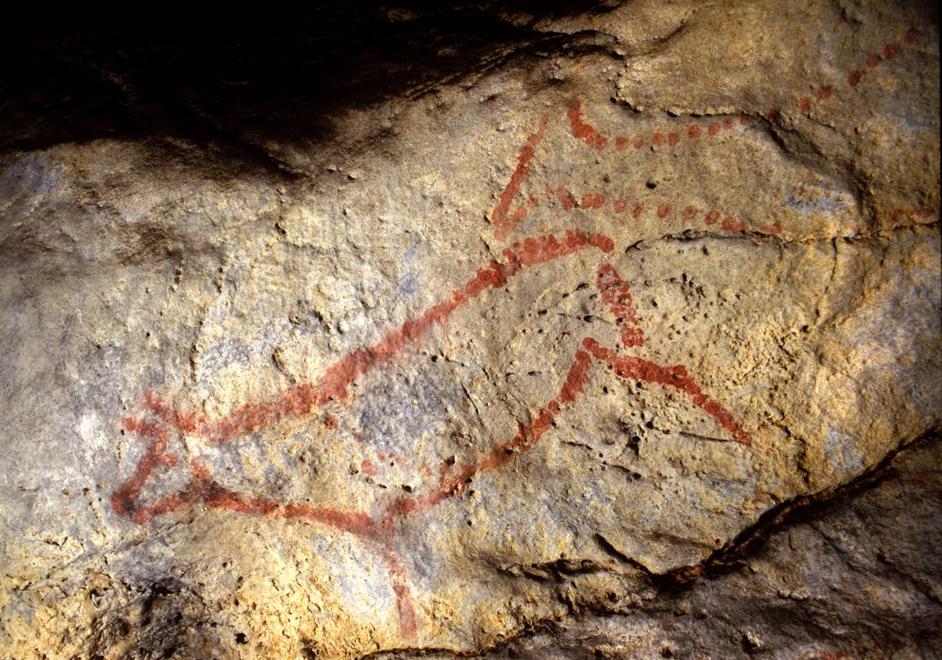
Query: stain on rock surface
(490, 355)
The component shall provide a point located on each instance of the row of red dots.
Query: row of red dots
(588, 134)
(664, 210)
(854, 76)
(590, 201)
(584, 131)
(672, 138)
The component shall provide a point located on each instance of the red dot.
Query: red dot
(714, 128)
(825, 93)
(712, 217)
(658, 138)
(663, 210)
(733, 224)
(912, 36)
(592, 201)
(854, 77)
(694, 132)
(873, 60)
(621, 142)
(620, 204)
(744, 120)
(565, 198)
(690, 213)
(637, 210)
(889, 51)
(728, 122)
(804, 104)
(673, 138)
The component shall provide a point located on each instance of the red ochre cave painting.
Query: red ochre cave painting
(379, 529)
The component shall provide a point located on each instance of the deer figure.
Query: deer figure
(160, 424)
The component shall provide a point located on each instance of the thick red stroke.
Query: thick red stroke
(502, 224)
(636, 368)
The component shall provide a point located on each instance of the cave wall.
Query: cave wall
(542, 330)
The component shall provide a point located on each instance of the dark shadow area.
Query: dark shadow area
(266, 73)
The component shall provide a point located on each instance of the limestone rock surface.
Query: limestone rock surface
(513, 333)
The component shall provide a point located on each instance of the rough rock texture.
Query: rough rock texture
(487, 329)
(848, 579)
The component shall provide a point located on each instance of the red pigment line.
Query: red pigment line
(499, 218)
(124, 499)
(354, 522)
(628, 368)
(617, 295)
(333, 384)
(408, 623)
(635, 368)
(525, 439)
(203, 488)
(582, 129)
